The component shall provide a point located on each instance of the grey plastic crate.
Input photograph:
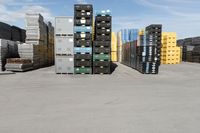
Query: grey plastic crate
(64, 25)
(64, 64)
(64, 45)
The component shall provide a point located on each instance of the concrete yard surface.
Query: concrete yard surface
(41, 101)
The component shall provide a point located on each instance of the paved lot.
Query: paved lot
(124, 102)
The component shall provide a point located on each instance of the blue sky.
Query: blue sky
(181, 16)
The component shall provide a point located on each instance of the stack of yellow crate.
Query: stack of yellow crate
(114, 48)
(170, 52)
(119, 46)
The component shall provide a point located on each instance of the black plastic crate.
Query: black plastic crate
(99, 70)
(147, 58)
(79, 22)
(79, 63)
(147, 50)
(148, 67)
(103, 37)
(101, 63)
(103, 24)
(102, 44)
(83, 43)
(103, 31)
(99, 50)
(86, 15)
(87, 36)
(83, 57)
(103, 18)
(85, 7)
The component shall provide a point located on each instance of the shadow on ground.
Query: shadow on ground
(113, 67)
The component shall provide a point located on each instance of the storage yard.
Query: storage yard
(123, 102)
(78, 75)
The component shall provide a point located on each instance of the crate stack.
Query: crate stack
(50, 46)
(114, 48)
(102, 43)
(83, 22)
(170, 52)
(190, 49)
(36, 34)
(148, 51)
(119, 46)
(64, 45)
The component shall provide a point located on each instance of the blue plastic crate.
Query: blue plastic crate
(83, 29)
(103, 13)
(83, 50)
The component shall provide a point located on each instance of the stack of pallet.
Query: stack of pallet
(119, 47)
(50, 44)
(36, 34)
(190, 49)
(83, 21)
(64, 45)
(114, 48)
(102, 43)
(19, 64)
(38, 40)
(8, 49)
(170, 52)
(141, 49)
(148, 60)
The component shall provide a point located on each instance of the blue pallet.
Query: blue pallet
(83, 50)
(133, 34)
(103, 13)
(83, 29)
(124, 35)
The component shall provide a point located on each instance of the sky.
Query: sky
(181, 16)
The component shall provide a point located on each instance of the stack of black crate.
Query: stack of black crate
(148, 54)
(102, 43)
(83, 21)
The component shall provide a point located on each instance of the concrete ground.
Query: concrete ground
(124, 102)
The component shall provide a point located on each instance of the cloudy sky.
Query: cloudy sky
(181, 16)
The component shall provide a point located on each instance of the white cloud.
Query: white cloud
(17, 16)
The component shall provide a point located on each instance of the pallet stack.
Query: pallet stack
(148, 60)
(64, 45)
(114, 48)
(50, 46)
(36, 34)
(119, 46)
(170, 52)
(190, 49)
(83, 22)
(102, 43)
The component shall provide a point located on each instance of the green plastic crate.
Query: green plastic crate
(101, 57)
(80, 70)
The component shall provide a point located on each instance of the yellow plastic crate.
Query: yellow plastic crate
(141, 32)
(114, 56)
(114, 42)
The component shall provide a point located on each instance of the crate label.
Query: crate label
(83, 35)
(70, 20)
(88, 13)
(71, 59)
(70, 40)
(83, 21)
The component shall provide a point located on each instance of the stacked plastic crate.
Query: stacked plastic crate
(83, 21)
(64, 45)
(170, 52)
(114, 48)
(102, 43)
(119, 46)
(148, 53)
